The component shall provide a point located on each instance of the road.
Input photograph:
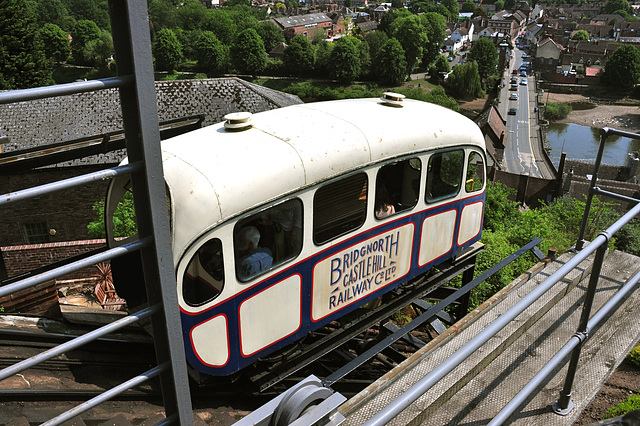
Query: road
(522, 155)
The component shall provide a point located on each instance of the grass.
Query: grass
(630, 404)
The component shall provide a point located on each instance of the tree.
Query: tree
(211, 54)
(222, 25)
(23, 63)
(623, 67)
(440, 65)
(509, 4)
(191, 15)
(83, 32)
(270, 34)
(316, 35)
(388, 18)
(323, 58)
(613, 5)
(390, 64)
(485, 54)
(248, 54)
(344, 60)
(375, 40)
(465, 80)
(435, 27)
(54, 12)
(452, 7)
(56, 42)
(412, 36)
(96, 11)
(167, 51)
(499, 5)
(468, 7)
(397, 4)
(580, 35)
(99, 51)
(299, 56)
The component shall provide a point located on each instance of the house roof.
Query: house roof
(301, 20)
(592, 71)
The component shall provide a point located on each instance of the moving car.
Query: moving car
(523, 81)
(512, 111)
(514, 86)
(513, 97)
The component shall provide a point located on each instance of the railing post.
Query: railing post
(564, 405)
(594, 180)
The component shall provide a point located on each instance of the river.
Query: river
(581, 143)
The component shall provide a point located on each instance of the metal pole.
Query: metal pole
(564, 405)
(587, 208)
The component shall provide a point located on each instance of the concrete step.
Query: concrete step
(478, 389)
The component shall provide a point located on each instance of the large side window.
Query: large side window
(339, 207)
(444, 175)
(475, 172)
(267, 239)
(203, 279)
(397, 187)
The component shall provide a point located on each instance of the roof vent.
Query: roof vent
(238, 121)
(392, 99)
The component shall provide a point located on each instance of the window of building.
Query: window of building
(397, 187)
(203, 279)
(268, 239)
(36, 233)
(444, 175)
(339, 207)
(475, 172)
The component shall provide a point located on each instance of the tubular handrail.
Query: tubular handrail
(424, 384)
(22, 95)
(60, 185)
(75, 266)
(576, 340)
(107, 395)
(79, 341)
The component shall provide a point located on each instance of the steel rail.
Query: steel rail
(129, 384)
(74, 266)
(79, 341)
(46, 189)
(35, 93)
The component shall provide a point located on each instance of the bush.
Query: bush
(634, 356)
(630, 404)
(557, 111)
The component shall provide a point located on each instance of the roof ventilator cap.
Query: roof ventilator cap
(392, 99)
(238, 121)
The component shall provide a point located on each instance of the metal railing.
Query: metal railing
(132, 45)
(563, 405)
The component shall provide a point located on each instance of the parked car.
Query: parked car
(513, 87)
(512, 111)
(514, 80)
(523, 81)
(513, 97)
(523, 74)
(515, 71)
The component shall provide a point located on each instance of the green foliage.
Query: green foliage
(344, 60)
(389, 64)
(248, 55)
(124, 219)
(612, 5)
(468, 7)
(190, 15)
(465, 80)
(270, 34)
(299, 56)
(83, 33)
(167, 51)
(623, 67)
(632, 403)
(435, 27)
(412, 36)
(55, 41)
(580, 35)
(375, 40)
(23, 63)
(323, 58)
(557, 111)
(634, 356)
(499, 5)
(96, 11)
(211, 54)
(436, 96)
(485, 54)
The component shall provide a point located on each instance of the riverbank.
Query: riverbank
(600, 114)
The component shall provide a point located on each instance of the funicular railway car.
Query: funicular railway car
(286, 220)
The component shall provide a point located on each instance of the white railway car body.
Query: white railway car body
(350, 199)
